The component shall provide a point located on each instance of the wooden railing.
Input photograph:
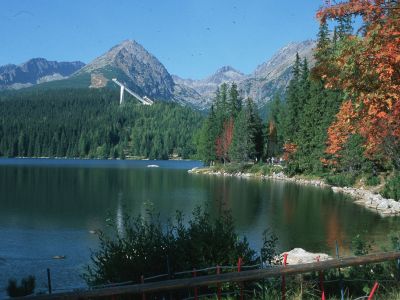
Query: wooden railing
(252, 275)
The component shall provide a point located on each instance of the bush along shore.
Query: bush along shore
(368, 197)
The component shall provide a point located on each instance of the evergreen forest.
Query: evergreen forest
(340, 116)
(89, 123)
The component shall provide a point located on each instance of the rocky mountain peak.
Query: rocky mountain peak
(269, 78)
(207, 87)
(132, 64)
(226, 69)
(284, 59)
(125, 48)
(130, 47)
(36, 70)
(225, 74)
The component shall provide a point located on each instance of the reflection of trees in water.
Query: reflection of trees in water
(73, 194)
(120, 214)
(241, 196)
(334, 231)
(82, 197)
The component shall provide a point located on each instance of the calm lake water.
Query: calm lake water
(48, 208)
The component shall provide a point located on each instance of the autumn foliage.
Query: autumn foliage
(339, 131)
(369, 74)
(289, 150)
(224, 141)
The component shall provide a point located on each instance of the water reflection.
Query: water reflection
(48, 210)
(73, 197)
(120, 215)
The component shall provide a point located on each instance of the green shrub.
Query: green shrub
(27, 287)
(292, 168)
(146, 246)
(392, 188)
(260, 168)
(257, 168)
(372, 180)
(234, 168)
(342, 179)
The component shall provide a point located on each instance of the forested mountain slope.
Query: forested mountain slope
(89, 123)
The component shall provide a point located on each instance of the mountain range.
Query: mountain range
(143, 73)
(36, 71)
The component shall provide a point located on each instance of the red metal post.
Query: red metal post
(195, 289)
(371, 295)
(142, 281)
(321, 282)
(285, 255)
(218, 284)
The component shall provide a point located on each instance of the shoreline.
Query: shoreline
(130, 158)
(363, 197)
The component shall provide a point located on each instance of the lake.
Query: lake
(49, 207)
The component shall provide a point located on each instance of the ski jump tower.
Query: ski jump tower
(145, 100)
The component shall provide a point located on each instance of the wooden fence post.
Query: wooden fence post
(142, 282)
(263, 280)
(218, 284)
(321, 282)
(49, 280)
(239, 268)
(285, 255)
(340, 274)
(195, 288)
(212, 280)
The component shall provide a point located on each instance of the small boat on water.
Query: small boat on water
(153, 166)
(59, 257)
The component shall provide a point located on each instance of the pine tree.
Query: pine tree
(304, 85)
(242, 147)
(323, 50)
(292, 102)
(208, 136)
(312, 132)
(221, 106)
(235, 103)
(345, 27)
(256, 127)
(248, 139)
(275, 118)
(272, 149)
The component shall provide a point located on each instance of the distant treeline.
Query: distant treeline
(90, 123)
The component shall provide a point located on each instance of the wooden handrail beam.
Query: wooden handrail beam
(251, 275)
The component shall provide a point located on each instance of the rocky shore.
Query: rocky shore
(373, 201)
(369, 199)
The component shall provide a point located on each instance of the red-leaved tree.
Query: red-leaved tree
(224, 141)
(369, 74)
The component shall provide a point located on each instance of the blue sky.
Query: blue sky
(192, 38)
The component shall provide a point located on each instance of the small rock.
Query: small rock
(335, 189)
(395, 206)
(383, 204)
